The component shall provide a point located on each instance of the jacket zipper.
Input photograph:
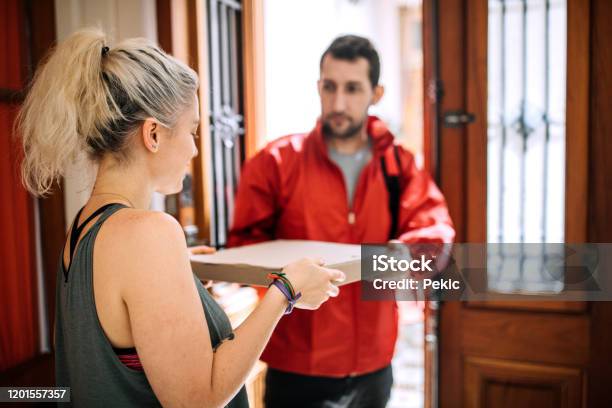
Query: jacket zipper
(351, 219)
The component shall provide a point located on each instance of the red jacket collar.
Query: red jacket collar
(379, 135)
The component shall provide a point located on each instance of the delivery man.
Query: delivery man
(346, 181)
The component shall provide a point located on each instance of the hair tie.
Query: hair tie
(104, 50)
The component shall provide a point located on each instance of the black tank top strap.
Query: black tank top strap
(77, 229)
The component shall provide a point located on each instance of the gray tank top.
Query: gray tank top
(84, 358)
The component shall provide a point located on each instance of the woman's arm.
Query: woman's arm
(168, 322)
(251, 337)
(234, 359)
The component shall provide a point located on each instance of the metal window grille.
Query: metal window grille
(226, 111)
(526, 130)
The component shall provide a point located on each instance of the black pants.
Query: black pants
(370, 390)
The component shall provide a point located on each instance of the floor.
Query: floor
(408, 374)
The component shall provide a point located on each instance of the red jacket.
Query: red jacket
(292, 190)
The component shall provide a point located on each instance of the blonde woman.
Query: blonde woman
(134, 327)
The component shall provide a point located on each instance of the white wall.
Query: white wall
(297, 32)
(120, 19)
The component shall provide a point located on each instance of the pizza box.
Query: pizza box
(250, 264)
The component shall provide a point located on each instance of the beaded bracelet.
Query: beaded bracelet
(283, 284)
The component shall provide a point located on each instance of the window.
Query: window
(526, 140)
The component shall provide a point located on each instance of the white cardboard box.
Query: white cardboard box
(250, 264)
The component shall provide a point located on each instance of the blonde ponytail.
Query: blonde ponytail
(88, 98)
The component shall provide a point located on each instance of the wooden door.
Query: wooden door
(29, 30)
(520, 352)
(18, 312)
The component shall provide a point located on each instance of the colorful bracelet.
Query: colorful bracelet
(283, 277)
(283, 284)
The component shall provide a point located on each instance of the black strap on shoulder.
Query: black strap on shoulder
(78, 229)
(394, 189)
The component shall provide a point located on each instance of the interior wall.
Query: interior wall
(296, 33)
(120, 19)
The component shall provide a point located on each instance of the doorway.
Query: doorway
(292, 53)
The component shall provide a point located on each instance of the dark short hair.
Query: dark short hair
(351, 47)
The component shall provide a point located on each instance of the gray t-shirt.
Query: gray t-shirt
(351, 166)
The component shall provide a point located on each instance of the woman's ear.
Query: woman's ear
(150, 135)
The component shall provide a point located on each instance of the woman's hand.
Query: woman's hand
(313, 281)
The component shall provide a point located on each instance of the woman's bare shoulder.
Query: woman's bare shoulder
(140, 239)
(144, 225)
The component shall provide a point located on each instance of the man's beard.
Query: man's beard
(347, 134)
